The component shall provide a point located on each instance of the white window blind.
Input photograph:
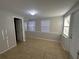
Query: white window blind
(45, 24)
(31, 25)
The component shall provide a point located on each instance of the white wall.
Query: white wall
(55, 29)
(7, 26)
(75, 35)
(72, 45)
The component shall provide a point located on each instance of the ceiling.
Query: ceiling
(45, 8)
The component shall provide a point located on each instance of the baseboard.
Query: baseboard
(44, 39)
(7, 49)
(64, 48)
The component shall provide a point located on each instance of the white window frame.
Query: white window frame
(30, 27)
(66, 26)
(43, 26)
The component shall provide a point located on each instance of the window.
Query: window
(31, 25)
(45, 25)
(66, 25)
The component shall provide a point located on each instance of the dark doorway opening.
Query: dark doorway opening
(18, 29)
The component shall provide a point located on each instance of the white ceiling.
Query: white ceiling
(45, 8)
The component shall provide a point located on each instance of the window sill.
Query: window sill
(65, 36)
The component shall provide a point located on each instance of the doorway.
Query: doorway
(18, 29)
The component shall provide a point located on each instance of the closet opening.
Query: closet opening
(18, 29)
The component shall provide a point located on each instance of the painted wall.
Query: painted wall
(72, 44)
(7, 30)
(55, 29)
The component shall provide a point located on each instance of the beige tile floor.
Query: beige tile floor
(36, 49)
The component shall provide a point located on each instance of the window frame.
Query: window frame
(66, 34)
(34, 26)
(48, 26)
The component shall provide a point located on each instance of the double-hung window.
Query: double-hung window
(31, 25)
(66, 25)
(45, 24)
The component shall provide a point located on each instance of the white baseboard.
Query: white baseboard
(7, 49)
(64, 48)
(44, 39)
